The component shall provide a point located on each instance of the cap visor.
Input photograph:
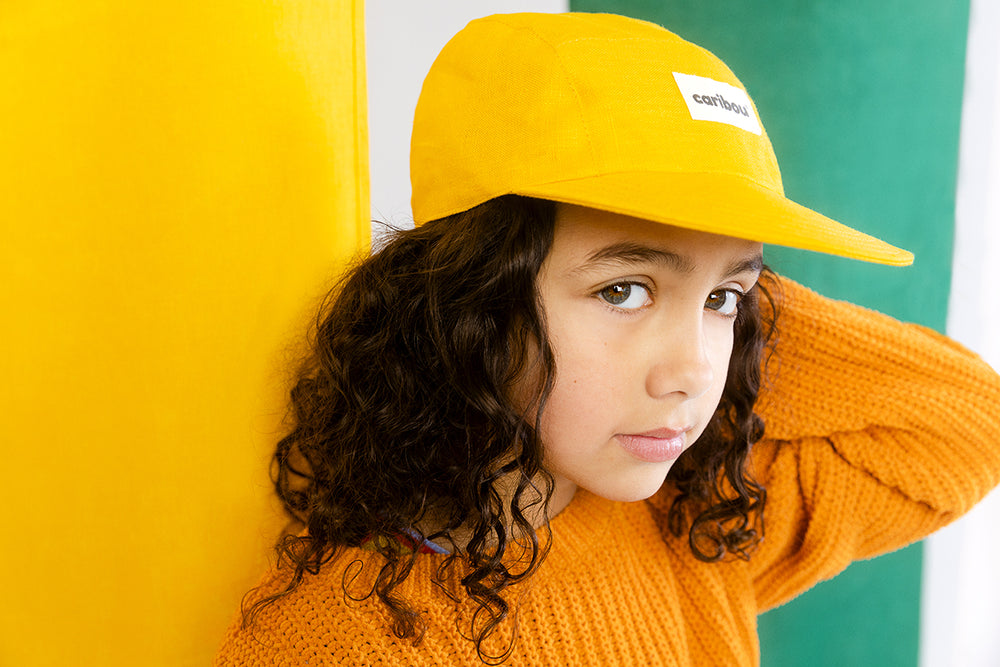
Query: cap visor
(720, 204)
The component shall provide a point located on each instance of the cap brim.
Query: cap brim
(720, 204)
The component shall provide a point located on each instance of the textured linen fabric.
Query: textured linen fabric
(877, 434)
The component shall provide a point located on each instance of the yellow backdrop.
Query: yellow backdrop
(178, 182)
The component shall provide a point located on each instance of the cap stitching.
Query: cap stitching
(566, 76)
(657, 171)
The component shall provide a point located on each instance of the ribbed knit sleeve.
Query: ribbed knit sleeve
(877, 433)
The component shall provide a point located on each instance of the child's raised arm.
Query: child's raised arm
(877, 433)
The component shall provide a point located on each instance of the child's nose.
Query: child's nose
(681, 364)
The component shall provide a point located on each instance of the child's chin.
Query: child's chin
(634, 488)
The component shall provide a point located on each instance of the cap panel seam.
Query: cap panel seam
(566, 76)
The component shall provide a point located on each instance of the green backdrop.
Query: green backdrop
(862, 101)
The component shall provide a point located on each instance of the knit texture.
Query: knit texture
(877, 434)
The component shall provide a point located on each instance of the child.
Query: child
(530, 428)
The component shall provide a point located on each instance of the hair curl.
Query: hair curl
(402, 416)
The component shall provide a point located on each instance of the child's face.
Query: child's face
(641, 319)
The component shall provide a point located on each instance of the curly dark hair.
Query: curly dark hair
(403, 417)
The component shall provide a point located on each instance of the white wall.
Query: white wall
(960, 609)
(403, 38)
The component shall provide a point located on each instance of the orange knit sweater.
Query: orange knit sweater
(877, 434)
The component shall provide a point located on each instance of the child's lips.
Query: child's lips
(666, 433)
(655, 446)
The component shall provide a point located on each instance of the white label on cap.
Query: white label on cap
(708, 99)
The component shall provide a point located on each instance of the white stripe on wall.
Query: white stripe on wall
(960, 607)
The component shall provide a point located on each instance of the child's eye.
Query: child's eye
(724, 301)
(628, 296)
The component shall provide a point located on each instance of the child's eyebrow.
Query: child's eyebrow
(629, 252)
(752, 264)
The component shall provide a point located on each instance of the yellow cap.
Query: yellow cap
(612, 113)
